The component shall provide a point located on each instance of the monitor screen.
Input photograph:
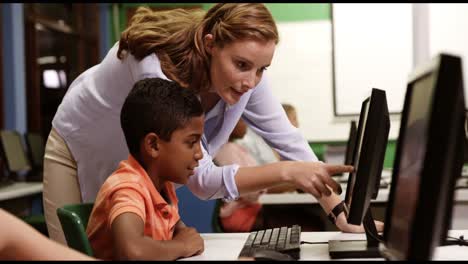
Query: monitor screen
(412, 156)
(12, 146)
(428, 161)
(356, 152)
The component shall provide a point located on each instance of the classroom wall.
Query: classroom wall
(301, 72)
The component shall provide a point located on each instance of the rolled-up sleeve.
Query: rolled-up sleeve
(266, 117)
(212, 182)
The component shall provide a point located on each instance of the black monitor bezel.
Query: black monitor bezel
(426, 234)
(368, 172)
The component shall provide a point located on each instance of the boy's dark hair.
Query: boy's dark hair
(159, 106)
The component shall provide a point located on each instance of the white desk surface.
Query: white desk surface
(227, 246)
(19, 189)
(461, 195)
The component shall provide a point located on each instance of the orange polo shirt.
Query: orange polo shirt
(129, 189)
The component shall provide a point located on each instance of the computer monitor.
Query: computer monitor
(351, 144)
(363, 183)
(429, 159)
(17, 163)
(35, 150)
(348, 158)
(465, 141)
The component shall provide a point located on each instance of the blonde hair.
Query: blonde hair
(176, 37)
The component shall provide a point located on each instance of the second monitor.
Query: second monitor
(363, 184)
(429, 159)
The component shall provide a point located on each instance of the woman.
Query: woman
(222, 55)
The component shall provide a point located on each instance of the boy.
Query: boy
(135, 215)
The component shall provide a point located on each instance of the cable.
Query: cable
(306, 242)
(456, 241)
(379, 238)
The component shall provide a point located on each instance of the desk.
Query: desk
(19, 198)
(461, 195)
(227, 246)
(19, 189)
(459, 215)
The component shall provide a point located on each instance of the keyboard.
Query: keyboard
(282, 239)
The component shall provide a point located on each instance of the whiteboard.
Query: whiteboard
(372, 48)
(448, 32)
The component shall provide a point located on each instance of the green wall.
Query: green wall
(319, 149)
(299, 12)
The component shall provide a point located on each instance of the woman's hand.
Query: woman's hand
(314, 177)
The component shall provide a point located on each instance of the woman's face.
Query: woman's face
(237, 67)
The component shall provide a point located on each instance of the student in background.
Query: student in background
(246, 214)
(291, 113)
(20, 241)
(243, 214)
(256, 146)
(221, 55)
(135, 215)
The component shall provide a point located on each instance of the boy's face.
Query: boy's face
(179, 156)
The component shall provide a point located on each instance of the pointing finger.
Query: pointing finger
(336, 169)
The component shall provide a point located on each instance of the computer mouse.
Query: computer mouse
(268, 255)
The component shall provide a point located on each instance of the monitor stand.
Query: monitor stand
(368, 248)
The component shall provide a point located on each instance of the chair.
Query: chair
(215, 222)
(74, 220)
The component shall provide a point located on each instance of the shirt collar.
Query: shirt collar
(160, 202)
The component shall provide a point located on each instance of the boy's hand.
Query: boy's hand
(192, 241)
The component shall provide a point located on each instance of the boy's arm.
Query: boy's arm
(130, 243)
(19, 241)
